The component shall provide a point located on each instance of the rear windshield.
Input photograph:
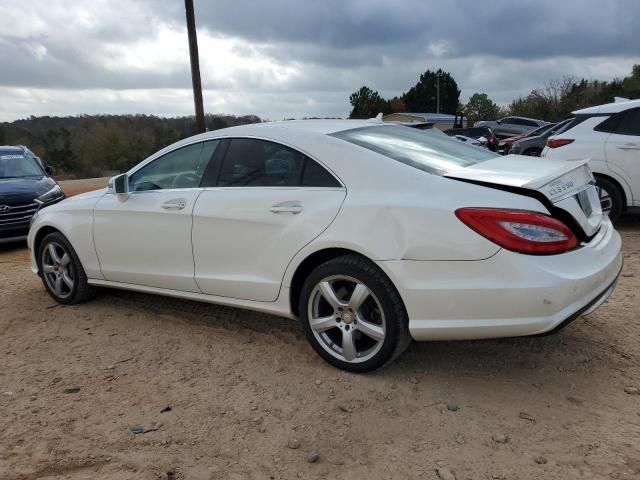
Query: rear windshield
(541, 130)
(16, 164)
(421, 149)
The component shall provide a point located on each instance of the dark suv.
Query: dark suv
(25, 187)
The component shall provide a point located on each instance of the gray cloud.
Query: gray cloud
(503, 28)
(296, 58)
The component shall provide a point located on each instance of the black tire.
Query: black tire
(81, 290)
(533, 152)
(385, 297)
(612, 202)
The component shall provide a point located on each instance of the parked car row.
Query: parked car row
(532, 143)
(607, 135)
(511, 126)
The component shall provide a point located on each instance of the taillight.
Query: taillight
(520, 230)
(559, 142)
(490, 140)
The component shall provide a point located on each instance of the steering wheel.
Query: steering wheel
(186, 180)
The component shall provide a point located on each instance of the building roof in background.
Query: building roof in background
(426, 116)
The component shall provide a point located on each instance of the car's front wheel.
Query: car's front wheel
(352, 314)
(61, 271)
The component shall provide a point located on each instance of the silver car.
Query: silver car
(511, 126)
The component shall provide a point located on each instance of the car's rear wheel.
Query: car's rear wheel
(533, 152)
(352, 314)
(62, 273)
(610, 198)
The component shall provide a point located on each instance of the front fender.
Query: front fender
(74, 219)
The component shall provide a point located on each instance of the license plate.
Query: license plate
(566, 185)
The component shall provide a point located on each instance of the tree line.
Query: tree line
(554, 101)
(96, 145)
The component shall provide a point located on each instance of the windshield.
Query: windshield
(421, 149)
(13, 165)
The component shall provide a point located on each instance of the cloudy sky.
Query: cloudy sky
(295, 58)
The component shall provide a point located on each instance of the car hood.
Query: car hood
(15, 191)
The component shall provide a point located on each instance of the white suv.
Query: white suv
(609, 136)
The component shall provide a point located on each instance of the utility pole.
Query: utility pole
(195, 65)
(438, 92)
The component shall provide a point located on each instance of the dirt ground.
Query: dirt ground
(241, 386)
(74, 187)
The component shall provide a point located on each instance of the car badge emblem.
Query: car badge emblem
(4, 208)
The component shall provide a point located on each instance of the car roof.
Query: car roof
(527, 118)
(613, 107)
(282, 131)
(11, 149)
(311, 126)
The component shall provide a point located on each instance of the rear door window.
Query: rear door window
(252, 162)
(257, 163)
(630, 123)
(610, 125)
(315, 175)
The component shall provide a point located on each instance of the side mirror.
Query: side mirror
(49, 170)
(498, 122)
(119, 183)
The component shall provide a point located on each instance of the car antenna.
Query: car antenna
(377, 118)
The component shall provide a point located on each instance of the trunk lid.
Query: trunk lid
(565, 185)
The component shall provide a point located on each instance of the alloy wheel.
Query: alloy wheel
(346, 318)
(57, 270)
(606, 202)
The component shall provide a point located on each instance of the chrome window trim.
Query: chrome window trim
(300, 187)
(157, 190)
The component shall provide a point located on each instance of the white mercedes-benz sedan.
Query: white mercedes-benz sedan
(371, 234)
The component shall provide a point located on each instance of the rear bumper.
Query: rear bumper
(508, 294)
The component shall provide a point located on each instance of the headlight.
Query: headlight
(53, 194)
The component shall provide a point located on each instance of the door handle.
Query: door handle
(175, 204)
(287, 207)
(629, 146)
